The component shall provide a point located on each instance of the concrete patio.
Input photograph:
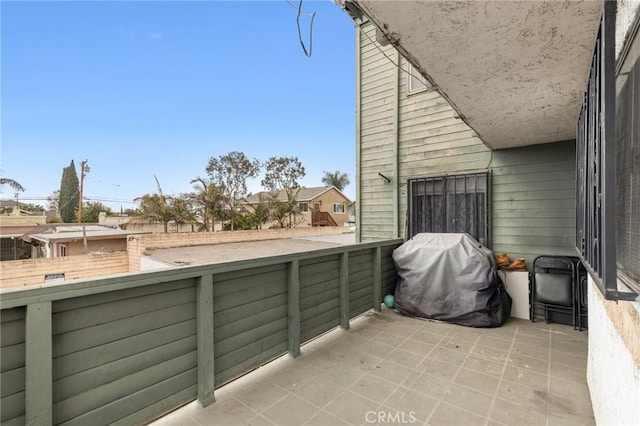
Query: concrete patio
(390, 369)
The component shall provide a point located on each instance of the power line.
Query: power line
(313, 16)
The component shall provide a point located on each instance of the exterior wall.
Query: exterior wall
(76, 248)
(13, 220)
(19, 273)
(326, 201)
(613, 370)
(138, 244)
(533, 193)
(533, 188)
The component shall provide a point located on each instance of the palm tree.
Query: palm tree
(337, 179)
(209, 198)
(155, 208)
(12, 183)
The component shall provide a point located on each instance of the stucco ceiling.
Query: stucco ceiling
(515, 70)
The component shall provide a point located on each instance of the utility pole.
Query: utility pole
(84, 169)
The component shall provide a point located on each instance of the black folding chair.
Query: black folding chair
(553, 287)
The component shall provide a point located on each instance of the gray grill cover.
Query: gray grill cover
(450, 277)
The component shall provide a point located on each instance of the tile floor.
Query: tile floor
(390, 369)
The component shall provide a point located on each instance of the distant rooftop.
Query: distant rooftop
(304, 194)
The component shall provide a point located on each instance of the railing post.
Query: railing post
(204, 339)
(344, 290)
(377, 279)
(38, 365)
(293, 287)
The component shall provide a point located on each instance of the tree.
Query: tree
(337, 179)
(91, 211)
(230, 173)
(208, 199)
(155, 208)
(13, 184)
(183, 211)
(284, 174)
(69, 193)
(53, 203)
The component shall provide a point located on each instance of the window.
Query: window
(450, 204)
(627, 127)
(417, 83)
(63, 250)
(303, 207)
(338, 208)
(607, 139)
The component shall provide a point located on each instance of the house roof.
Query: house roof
(515, 71)
(67, 232)
(304, 195)
(15, 230)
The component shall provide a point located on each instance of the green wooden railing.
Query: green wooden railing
(127, 349)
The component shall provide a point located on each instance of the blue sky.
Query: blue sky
(144, 88)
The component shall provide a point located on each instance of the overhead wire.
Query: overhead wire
(301, 13)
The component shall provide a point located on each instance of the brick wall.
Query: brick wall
(20, 273)
(138, 244)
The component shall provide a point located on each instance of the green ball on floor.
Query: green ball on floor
(389, 301)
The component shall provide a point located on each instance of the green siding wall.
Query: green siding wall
(12, 371)
(533, 193)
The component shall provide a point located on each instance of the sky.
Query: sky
(157, 88)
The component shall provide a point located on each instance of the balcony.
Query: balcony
(130, 349)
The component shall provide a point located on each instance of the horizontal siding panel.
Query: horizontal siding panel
(86, 380)
(331, 292)
(84, 360)
(232, 343)
(256, 353)
(273, 287)
(104, 333)
(242, 312)
(246, 279)
(158, 398)
(109, 392)
(12, 406)
(249, 323)
(89, 316)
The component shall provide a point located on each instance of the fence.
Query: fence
(125, 350)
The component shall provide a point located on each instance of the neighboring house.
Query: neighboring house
(477, 133)
(123, 221)
(59, 240)
(319, 206)
(12, 247)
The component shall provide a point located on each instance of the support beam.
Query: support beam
(344, 290)
(204, 338)
(377, 279)
(38, 363)
(294, 308)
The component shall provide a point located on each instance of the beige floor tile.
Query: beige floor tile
(260, 396)
(513, 414)
(538, 352)
(405, 358)
(481, 382)
(468, 399)
(528, 340)
(531, 398)
(410, 403)
(528, 363)
(290, 410)
(375, 348)
(572, 348)
(430, 385)
(342, 375)
(448, 415)
(325, 419)
(259, 421)
(319, 391)
(451, 356)
(483, 365)
(427, 336)
(374, 388)
(568, 373)
(229, 411)
(392, 372)
(391, 339)
(496, 342)
(417, 347)
(458, 344)
(491, 354)
(351, 407)
(573, 361)
(568, 397)
(570, 420)
(526, 377)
